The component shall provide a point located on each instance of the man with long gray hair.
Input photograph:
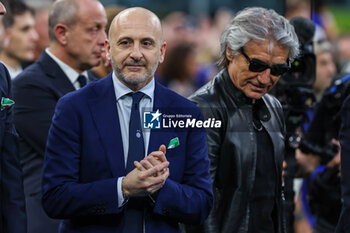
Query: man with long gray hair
(246, 153)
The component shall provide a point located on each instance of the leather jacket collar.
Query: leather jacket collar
(243, 100)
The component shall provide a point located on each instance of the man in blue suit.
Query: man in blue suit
(103, 172)
(12, 208)
(76, 31)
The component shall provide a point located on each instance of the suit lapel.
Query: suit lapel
(105, 114)
(53, 71)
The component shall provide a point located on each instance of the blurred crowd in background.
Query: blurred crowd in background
(193, 43)
(192, 40)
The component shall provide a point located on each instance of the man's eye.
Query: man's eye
(94, 29)
(26, 29)
(124, 43)
(147, 43)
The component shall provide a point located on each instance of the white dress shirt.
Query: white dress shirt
(124, 102)
(69, 71)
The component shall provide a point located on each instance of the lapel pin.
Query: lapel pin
(6, 103)
(174, 143)
(138, 134)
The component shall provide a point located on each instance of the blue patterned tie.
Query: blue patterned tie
(136, 145)
(82, 80)
(133, 216)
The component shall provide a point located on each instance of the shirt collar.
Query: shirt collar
(69, 71)
(121, 90)
(13, 72)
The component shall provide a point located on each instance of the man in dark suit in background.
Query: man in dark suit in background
(76, 30)
(12, 206)
(92, 177)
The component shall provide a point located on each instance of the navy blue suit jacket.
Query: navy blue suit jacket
(344, 136)
(12, 207)
(36, 92)
(84, 158)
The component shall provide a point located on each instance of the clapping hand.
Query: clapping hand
(149, 175)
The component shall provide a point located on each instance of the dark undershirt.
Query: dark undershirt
(262, 199)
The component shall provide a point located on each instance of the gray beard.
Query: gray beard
(119, 73)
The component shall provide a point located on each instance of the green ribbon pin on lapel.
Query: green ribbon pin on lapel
(6, 103)
(174, 143)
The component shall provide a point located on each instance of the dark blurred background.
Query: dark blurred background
(339, 8)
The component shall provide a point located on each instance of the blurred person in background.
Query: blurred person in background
(342, 45)
(320, 192)
(178, 28)
(20, 37)
(324, 19)
(309, 163)
(303, 8)
(208, 33)
(105, 67)
(12, 205)
(179, 69)
(42, 28)
(325, 67)
(318, 156)
(298, 8)
(77, 36)
(207, 39)
(203, 33)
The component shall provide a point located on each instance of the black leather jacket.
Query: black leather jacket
(233, 152)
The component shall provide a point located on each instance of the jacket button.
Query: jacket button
(165, 211)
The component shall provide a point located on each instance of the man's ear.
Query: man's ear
(162, 52)
(61, 32)
(7, 38)
(229, 55)
(108, 49)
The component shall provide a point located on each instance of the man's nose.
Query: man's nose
(34, 35)
(136, 52)
(2, 9)
(264, 76)
(102, 38)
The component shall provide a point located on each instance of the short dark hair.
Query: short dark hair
(14, 8)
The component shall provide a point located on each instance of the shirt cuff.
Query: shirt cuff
(121, 199)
